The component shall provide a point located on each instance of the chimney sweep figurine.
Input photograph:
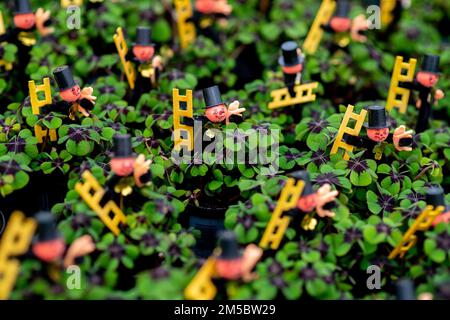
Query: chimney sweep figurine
(216, 109)
(378, 135)
(435, 196)
(23, 33)
(206, 13)
(231, 262)
(148, 65)
(341, 25)
(73, 98)
(322, 200)
(51, 248)
(424, 82)
(291, 62)
(126, 168)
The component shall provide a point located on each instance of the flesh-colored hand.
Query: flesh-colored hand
(79, 248)
(439, 94)
(359, 23)
(401, 133)
(157, 63)
(86, 93)
(233, 108)
(141, 167)
(323, 196)
(41, 17)
(252, 254)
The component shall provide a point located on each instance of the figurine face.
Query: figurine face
(229, 269)
(340, 24)
(49, 251)
(307, 203)
(293, 69)
(217, 113)
(427, 79)
(71, 94)
(143, 53)
(24, 20)
(378, 135)
(122, 166)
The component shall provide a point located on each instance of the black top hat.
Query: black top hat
(342, 8)
(289, 56)
(46, 230)
(303, 175)
(64, 78)
(405, 290)
(435, 196)
(212, 97)
(122, 146)
(22, 6)
(229, 246)
(430, 63)
(143, 36)
(377, 117)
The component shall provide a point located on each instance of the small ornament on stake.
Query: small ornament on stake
(424, 82)
(127, 168)
(74, 99)
(227, 263)
(292, 62)
(51, 248)
(339, 24)
(378, 136)
(294, 201)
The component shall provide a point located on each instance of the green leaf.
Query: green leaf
(214, 185)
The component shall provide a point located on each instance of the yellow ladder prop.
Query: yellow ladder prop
(277, 225)
(338, 143)
(68, 3)
(36, 104)
(8, 66)
(122, 49)
(201, 287)
(92, 193)
(303, 93)
(178, 127)
(316, 32)
(395, 90)
(387, 6)
(15, 241)
(186, 30)
(2, 24)
(422, 223)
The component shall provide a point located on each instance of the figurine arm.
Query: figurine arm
(327, 28)
(413, 85)
(355, 141)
